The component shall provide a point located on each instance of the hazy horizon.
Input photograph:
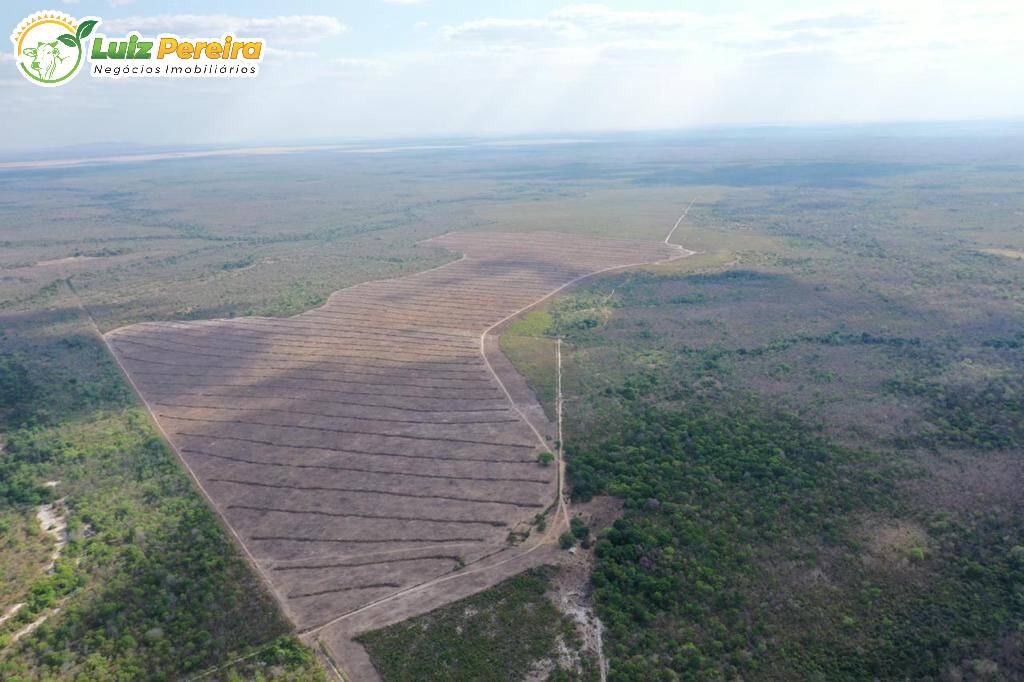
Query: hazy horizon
(337, 72)
(845, 141)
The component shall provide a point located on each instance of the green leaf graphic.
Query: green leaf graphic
(68, 40)
(85, 28)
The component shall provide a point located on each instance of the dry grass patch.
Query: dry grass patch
(894, 544)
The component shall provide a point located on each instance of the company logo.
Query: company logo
(50, 48)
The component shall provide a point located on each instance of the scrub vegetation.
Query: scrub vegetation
(500, 634)
(818, 446)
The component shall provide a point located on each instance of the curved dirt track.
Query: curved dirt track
(368, 446)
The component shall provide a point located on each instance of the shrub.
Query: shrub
(579, 529)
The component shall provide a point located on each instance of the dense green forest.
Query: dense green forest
(689, 585)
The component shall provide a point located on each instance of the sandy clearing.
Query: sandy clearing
(11, 611)
(31, 627)
(53, 521)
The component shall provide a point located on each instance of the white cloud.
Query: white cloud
(361, 64)
(294, 27)
(869, 28)
(277, 53)
(525, 33)
(599, 18)
(592, 25)
(839, 21)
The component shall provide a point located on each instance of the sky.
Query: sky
(374, 69)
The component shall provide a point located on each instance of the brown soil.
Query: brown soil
(378, 449)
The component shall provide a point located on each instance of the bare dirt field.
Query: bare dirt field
(368, 446)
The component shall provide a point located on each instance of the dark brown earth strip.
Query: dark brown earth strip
(324, 429)
(319, 567)
(357, 515)
(343, 541)
(342, 589)
(341, 416)
(355, 452)
(343, 402)
(498, 479)
(377, 491)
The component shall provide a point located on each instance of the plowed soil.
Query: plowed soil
(368, 446)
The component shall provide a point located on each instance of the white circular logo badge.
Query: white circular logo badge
(48, 47)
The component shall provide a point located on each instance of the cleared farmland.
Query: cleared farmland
(367, 446)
